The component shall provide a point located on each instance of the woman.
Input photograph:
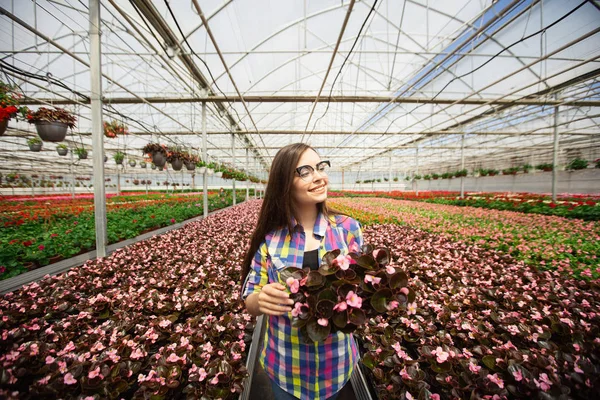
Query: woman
(295, 228)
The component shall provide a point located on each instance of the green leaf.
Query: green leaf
(366, 262)
(315, 280)
(357, 316)
(327, 294)
(369, 361)
(330, 256)
(326, 270)
(383, 256)
(317, 332)
(325, 308)
(398, 280)
(379, 300)
(490, 362)
(340, 319)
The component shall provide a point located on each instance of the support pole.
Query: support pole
(247, 180)
(342, 178)
(390, 175)
(204, 158)
(555, 154)
(462, 165)
(97, 131)
(417, 173)
(233, 163)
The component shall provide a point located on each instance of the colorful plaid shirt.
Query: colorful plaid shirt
(314, 371)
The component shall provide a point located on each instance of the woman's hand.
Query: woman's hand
(273, 299)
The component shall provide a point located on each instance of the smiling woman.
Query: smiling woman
(295, 221)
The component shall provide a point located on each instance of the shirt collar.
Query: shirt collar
(320, 225)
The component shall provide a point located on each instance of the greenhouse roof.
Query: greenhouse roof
(370, 84)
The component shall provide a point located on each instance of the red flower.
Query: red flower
(553, 205)
(2, 269)
(27, 243)
(41, 247)
(172, 220)
(54, 235)
(13, 241)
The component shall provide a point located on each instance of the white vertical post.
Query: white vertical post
(233, 163)
(417, 173)
(462, 165)
(390, 175)
(204, 158)
(555, 154)
(97, 134)
(247, 180)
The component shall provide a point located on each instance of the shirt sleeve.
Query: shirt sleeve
(257, 276)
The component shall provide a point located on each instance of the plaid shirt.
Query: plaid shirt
(314, 371)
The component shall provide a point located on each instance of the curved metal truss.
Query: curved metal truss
(375, 86)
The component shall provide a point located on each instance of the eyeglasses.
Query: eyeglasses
(306, 172)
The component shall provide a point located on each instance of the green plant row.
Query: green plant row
(38, 243)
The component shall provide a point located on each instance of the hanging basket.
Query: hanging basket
(159, 159)
(51, 131)
(61, 151)
(177, 164)
(190, 166)
(132, 163)
(105, 158)
(82, 155)
(35, 147)
(153, 166)
(3, 126)
(143, 164)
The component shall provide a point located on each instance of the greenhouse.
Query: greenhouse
(163, 162)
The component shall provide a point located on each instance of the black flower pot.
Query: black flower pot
(159, 159)
(190, 166)
(83, 155)
(61, 151)
(153, 166)
(3, 126)
(177, 164)
(35, 147)
(132, 163)
(143, 164)
(51, 131)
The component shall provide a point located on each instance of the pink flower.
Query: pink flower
(405, 374)
(50, 360)
(354, 247)
(172, 220)
(390, 270)
(41, 247)
(293, 284)
(441, 355)
(340, 306)
(372, 279)
(544, 383)
(474, 367)
(173, 358)
(518, 375)
(203, 374)
(297, 309)
(137, 354)
(323, 321)
(342, 261)
(353, 300)
(69, 380)
(95, 373)
(215, 380)
(497, 380)
(435, 396)
(411, 308)
(44, 380)
(392, 305)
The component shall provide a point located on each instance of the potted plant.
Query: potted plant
(62, 149)
(114, 128)
(175, 157)
(119, 157)
(9, 106)
(597, 162)
(51, 125)
(577, 163)
(158, 152)
(35, 144)
(526, 168)
(510, 171)
(143, 164)
(153, 166)
(545, 167)
(81, 153)
(132, 162)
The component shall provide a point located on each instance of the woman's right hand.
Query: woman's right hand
(274, 299)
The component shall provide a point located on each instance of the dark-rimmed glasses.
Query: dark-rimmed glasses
(306, 172)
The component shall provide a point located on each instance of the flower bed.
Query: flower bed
(36, 232)
(159, 318)
(567, 245)
(485, 326)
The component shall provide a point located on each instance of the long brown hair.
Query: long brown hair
(277, 207)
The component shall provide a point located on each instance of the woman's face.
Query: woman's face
(313, 189)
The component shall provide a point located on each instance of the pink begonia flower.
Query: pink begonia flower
(69, 380)
(376, 252)
(203, 374)
(404, 291)
(544, 382)
(411, 308)
(497, 380)
(44, 380)
(409, 396)
(173, 358)
(343, 261)
(164, 323)
(435, 396)
(353, 300)
(340, 306)
(390, 270)
(518, 375)
(293, 284)
(441, 355)
(50, 360)
(373, 279)
(354, 248)
(137, 354)
(323, 321)
(577, 369)
(297, 309)
(392, 305)
(474, 368)
(215, 380)
(405, 374)
(95, 373)
(207, 347)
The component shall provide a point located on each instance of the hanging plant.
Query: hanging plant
(9, 106)
(81, 153)
(119, 157)
(114, 128)
(50, 124)
(35, 144)
(62, 149)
